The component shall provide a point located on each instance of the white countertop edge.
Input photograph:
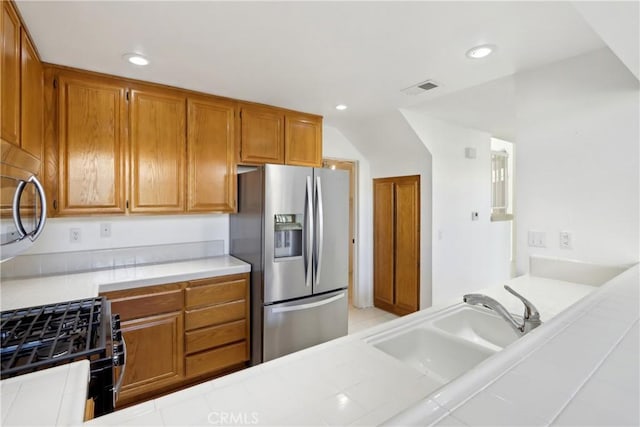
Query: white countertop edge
(28, 292)
(465, 387)
(40, 397)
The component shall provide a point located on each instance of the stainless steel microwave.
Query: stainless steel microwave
(22, 202)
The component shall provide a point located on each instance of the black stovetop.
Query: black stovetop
(38, 337)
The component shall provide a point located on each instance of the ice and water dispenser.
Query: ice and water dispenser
(288, 235)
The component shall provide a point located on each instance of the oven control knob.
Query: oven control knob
(115, 323)
(117, 335)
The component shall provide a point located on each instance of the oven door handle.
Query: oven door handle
(118, 386)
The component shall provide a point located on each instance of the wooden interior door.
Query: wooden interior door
(407, 244)
(383, 244)
(396, 245)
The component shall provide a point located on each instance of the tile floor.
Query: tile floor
(363, 318)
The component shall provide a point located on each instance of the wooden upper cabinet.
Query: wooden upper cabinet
(303, 140)
(262, 136)
(91, 135)
(10, 75)
(158, 150)
(32, 95)
(210, 155)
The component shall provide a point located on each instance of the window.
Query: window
(499, 177)
(501, 185)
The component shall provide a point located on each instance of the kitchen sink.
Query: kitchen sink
(478, 326)
(436, 355)
(446, 344)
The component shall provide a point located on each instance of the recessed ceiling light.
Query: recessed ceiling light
(480, 51)
(136, 59)
(341, 107)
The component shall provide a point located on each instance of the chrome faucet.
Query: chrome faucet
(531, 317)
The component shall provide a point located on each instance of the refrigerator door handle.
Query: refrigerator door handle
(308, 247)
(320, 236)
(308, 305)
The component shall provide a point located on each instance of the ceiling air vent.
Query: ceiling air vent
(420, 88)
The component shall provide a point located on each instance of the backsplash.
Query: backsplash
(75, 262)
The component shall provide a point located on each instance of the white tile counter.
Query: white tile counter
(580, 369)
(50, 289)
(342, 382)
(53, 396)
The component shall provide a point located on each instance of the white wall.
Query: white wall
(467, 255)
(393, 149)
(336, 145)
(131, 231)
(577, 159)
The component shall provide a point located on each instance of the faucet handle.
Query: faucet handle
(530, 310)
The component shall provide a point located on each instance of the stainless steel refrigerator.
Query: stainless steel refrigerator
(292, 226)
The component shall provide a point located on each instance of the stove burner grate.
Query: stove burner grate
(36, 337)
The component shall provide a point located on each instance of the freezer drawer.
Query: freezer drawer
(299, 324)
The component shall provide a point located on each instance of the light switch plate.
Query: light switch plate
(566, 240)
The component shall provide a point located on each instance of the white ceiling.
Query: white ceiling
(310, 56)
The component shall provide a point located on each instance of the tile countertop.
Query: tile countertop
(346, 381)
(64, 388)
(53, 396)
(50, 289)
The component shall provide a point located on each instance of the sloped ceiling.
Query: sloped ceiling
(310, 56)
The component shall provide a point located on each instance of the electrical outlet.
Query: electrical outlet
(566, 240)
(105, 230)
(75, 235)
(537, 239)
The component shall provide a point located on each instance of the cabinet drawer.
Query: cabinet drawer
(215, 336)
(216, 293)
(133, 307)
(210, 316)
(217, 359)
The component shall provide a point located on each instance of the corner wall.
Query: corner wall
(467, 255)
(578, 159)
(393, 149)
(336, 145)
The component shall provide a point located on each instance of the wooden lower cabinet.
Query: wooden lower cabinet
(155, 353)
(181, 333)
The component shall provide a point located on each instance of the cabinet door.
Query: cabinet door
(158, 151)
(262, 136)
(155, 355)
(407, 244)
(303, 140)
(32, 96)
(10, 75)
(383, 244)
(210, 156)
(91, 128)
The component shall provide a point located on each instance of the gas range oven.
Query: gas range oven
(40, 337)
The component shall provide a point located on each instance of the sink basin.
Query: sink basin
(478, 326)
(438, 356)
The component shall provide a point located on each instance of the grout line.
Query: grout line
(595, 369)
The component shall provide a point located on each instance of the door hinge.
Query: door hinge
(126, 95)
(55, 84)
